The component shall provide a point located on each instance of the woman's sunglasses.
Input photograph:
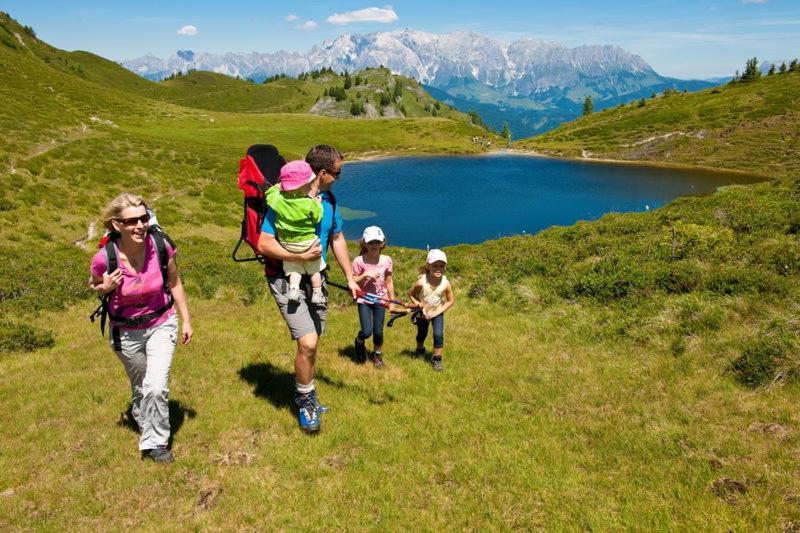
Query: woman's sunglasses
(132, 221)
(334, 174)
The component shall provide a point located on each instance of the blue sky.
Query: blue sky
(681, 38)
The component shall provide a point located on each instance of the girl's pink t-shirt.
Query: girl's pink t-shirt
(377, 285)
(137, 294)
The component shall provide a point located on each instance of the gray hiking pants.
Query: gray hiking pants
(147, 355)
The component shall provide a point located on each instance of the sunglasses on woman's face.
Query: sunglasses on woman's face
(132, 221)
(375, 242)
(335, 174)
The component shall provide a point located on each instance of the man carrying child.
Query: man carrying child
(306, 321)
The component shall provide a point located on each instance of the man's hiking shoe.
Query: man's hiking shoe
(318, 298)
(321, 409)
(437, 365)
(158, 455)
(307, 413)
(377, 359)
(361, 350)
(293, 294)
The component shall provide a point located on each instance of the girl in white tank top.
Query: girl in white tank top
(433, 294)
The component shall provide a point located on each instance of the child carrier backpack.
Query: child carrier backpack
(258, 171)
(107, 243)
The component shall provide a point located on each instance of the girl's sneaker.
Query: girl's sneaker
(377, 359)
(437, 365)
(361, 350)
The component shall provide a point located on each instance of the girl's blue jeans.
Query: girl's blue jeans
(371, 318)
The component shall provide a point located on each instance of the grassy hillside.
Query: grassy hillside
(752, 126)
(638, 372)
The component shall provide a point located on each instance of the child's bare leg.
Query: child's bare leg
(294, 280)
(316, 280)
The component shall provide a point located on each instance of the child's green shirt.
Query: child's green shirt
(296, 217)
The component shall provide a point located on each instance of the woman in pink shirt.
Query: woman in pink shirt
(143, 321)
(373, 273)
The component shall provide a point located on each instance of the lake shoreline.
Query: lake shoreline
(757, 176)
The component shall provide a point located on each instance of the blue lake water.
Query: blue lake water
(441, 201)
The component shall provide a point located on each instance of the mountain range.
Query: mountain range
(534, 85)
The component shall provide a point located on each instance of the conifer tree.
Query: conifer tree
(588, 106)
(751, 71)
(506, 133)
(771, 70)
(782, 70)
(347, 81)
(793, 66)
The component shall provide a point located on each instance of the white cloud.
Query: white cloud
(370, 14)
(307, 25)
(188, 30)
(291, 18)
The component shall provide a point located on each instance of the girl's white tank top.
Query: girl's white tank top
(433, 297)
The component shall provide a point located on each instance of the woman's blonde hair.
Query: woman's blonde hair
(115, 207)
(362, 246)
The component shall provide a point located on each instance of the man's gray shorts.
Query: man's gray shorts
(303, 317)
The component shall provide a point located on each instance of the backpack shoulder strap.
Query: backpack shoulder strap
(160, 240)
(112, 259)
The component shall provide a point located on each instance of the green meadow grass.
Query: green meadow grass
(637, 372)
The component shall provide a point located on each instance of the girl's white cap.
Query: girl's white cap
(436, 255)
(373, 233)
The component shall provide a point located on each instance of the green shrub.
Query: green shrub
(606, 279)
(781, 254)
(23, 338)
(696, 317)
(677, 277)
(739, 279)
(762, 361)
(701, 242)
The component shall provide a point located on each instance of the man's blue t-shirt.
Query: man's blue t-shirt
(330, 225)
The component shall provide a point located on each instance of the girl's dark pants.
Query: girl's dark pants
(371, 318)
(438, 330)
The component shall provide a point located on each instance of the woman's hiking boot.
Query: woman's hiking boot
(377, 359)
(159, 454)
(360, 349)
(307, 413)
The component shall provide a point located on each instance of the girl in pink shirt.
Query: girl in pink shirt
(373, 273)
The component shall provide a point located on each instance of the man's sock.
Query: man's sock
(304, 389)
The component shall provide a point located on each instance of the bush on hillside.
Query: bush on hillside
(766, 359)
(16, 337)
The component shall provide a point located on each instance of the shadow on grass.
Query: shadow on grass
(275, 384)
(177, 415)
(349, 352)
(426, 356)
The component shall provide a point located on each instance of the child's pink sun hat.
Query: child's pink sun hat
(295, 174)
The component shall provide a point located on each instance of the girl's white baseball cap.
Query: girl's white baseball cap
(436, 255)
(373, 233)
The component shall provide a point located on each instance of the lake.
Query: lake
(440, 201)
